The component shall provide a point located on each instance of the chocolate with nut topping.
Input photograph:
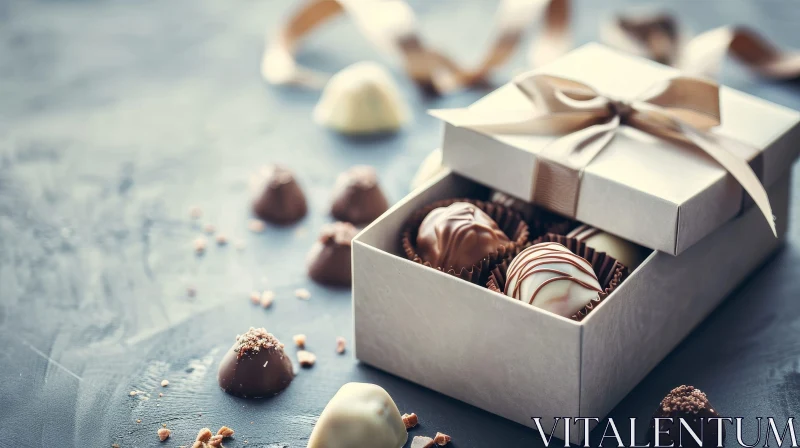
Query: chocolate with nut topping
(255, 366)
(282, 201)
(357, 197)
(329, 258)
(691, 405)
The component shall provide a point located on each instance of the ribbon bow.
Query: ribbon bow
(681, 109)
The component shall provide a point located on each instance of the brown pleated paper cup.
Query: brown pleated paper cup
(609, 271)
(508, 220)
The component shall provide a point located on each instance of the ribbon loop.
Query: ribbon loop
(682, 109)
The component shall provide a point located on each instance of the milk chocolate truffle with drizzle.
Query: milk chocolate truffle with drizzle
(357, 197)
(329, 258)
(551, 277)
(690, 404)
(282, 201)
(255, 366)
(458, 236)
(629, 254)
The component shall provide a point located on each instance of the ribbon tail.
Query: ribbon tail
(738, 168)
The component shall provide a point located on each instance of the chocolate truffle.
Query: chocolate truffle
(255, 366)
(623, 251)
(282, 201)
(526, 209)
(458, 236)
(357, 197)
(329, 258)
(551, 277)
(359, 415)
(692, 406)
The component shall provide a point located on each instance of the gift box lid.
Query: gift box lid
(646, 189)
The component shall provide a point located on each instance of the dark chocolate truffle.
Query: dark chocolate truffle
(357, 197)
(255, 366)
(329, 258)
(282, 201)
(458, 236)
(692, 406)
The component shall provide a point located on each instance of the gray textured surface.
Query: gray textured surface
(117, 116)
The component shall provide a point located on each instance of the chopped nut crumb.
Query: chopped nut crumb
(221, 240)
(410, 420)
(255, 297)
(133, 393)
(209, 229)
(306, 359)
(215, 441)
(198, 444)
(299, 340)
(164, 425)
(195, 212)
(204, 435)
(302, 294)
(225, 431)
(255, 226)
(441, 439)
(164, 383)
(200, 245)
(163, 434)
(422, 442)
(340, 343)
(267, 298)
(115, 445)
(160, 395)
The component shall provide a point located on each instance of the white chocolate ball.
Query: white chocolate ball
(551, 277)
(359, 415)
(430, 167)
(623, 251)
(361, 99)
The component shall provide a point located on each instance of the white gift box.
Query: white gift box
(521, 362)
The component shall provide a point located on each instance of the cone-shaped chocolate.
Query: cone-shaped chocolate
(255, 366)
(357, 197)
(692, 406)
(282, 201)
(360, 415)
(329, 258)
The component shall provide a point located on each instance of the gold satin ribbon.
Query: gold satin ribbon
(681, 109)
(657, 37)
(391, 26)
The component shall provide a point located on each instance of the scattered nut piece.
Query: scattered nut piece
(225, 432)
(441, 439)
(222, 240)
(254, 225)
(302, 294)
(299, 340)
(340, 342)
(266, 299)
(138, 420)
(115, 445)
(163, 434)
(255, 297)
(209, 229)
(160, 395)
(164, 383)
(215, 441)
(195, 212)
(204, 435)
(306, 359)
(410, 420)
(422, 442)
(200, 245)
(133, 393)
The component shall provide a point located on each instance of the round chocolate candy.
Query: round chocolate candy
(255, 366)
(458, 236)
(357, 197)
(282, 202)
(629, 254)
(691, 405)
(329, 258)
(551, 277)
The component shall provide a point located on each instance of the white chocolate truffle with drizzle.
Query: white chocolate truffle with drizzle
(361, 99)
(629, 254)
(551, 277)
(359, 415)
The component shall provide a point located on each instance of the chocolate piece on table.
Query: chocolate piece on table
(422, 442)
(690, 404)
(458, 236)
(549, 276)
(357, 197)
(359, 415)
(329, 258)
(428, 169)
(361, 99)
(627, 253)
(282, 201)
(255, 366)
